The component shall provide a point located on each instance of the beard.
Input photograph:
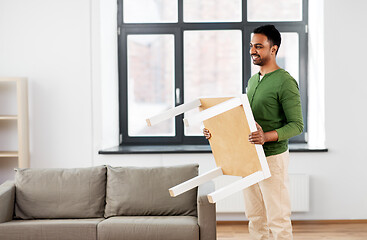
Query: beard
(257, 60)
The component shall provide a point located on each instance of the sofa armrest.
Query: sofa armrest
(206, 212)
(7, 196)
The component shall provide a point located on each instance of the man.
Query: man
(275, 102)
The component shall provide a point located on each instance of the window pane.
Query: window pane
(212, 10)
(212, 66)
(270, 10)
(150, 83)
(150, 11)
(288, 55)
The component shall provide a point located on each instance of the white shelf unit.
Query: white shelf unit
(21, 95)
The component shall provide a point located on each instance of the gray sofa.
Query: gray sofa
(105, 203)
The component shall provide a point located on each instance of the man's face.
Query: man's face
(261, 50)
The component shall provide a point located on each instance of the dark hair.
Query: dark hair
(271, 33)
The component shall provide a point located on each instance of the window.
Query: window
(173, 51)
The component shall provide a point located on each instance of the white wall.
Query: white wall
(56, 44)
(49, 42)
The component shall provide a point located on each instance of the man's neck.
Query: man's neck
(268, 68)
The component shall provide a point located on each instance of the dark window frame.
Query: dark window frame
(177, 29)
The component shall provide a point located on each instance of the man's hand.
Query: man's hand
(206, 133)
(257, 137)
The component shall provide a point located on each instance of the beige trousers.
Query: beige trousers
(267, 203)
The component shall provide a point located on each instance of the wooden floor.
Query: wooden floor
(303, 230)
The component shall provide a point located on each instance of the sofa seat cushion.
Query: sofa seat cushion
(149, 228)
(60, 193)
(143, 191)
(58, 229)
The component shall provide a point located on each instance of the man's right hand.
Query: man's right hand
(206, 133)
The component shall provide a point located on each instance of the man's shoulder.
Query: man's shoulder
(283, 74)
(256, 75)
(284, 77)
(254, 78)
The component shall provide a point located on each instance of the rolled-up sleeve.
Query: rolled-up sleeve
(290, 100)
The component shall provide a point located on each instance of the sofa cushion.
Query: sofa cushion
(149, 228)
(133, 191)
(64, 229)
(60, 193)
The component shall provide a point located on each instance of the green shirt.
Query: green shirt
(276, 105)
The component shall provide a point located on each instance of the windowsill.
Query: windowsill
(148, 149)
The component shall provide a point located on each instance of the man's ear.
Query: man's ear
(274, 49)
